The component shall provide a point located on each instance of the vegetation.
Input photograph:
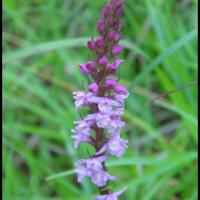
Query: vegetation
(43, 43)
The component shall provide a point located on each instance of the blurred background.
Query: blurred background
(43, 43)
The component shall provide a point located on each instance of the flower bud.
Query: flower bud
(99, 42)
(91, 44)
(118, 11)
(106, 11)
(90, 65)
(110, 83)
(116, 50)
(103, 61)
(84, 69)
(118, 62)
(112, 35)
(112, 68)
(93, 87)
(117, 36)
(101, 26)
(120, 89)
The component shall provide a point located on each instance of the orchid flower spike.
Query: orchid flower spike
(105, 99)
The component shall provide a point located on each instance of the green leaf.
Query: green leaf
(158, 60)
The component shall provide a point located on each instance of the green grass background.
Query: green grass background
(43, 42)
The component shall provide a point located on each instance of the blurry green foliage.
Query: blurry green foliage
(43, 42)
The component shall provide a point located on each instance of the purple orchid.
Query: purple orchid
(116, 146)
(110, 196)
(105, 98)
(93, 168)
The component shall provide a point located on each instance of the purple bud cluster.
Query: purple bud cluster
(105, 98)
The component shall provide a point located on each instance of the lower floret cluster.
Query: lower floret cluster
(107, 117)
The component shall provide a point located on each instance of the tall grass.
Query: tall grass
(43, 42)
